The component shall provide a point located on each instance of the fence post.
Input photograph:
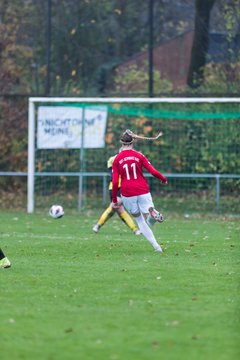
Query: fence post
(81, 194)
(217, 192)
(104, 190)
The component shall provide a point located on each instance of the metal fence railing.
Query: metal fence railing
(102, 178)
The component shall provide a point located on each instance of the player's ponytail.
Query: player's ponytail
(128, 137)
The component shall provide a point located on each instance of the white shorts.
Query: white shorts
(139, 203)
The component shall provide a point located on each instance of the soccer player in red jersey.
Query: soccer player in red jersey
(135, 193)
(109, 212)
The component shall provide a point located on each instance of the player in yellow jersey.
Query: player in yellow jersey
(109, 212)
(4, 262)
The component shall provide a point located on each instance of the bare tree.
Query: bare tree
(200, 42)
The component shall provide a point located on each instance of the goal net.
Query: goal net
(71, 139)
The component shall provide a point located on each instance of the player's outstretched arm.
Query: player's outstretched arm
(154, 171)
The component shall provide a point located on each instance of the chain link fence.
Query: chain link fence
(199, 153)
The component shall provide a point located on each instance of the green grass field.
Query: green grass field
(73, 294)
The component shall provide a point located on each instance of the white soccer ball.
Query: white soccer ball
(56, 211)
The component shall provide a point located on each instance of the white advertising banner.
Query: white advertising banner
(61, 127)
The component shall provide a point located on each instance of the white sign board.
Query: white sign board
(61, 127)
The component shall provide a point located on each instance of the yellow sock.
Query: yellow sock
(128, 221)
(107, 214)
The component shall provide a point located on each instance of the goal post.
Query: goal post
(199, 149)
(32, 140)
(31, 156)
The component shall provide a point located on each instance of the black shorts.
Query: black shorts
(110, 194)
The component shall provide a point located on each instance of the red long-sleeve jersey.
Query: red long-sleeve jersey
(129, 165)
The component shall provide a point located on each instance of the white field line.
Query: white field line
(41, 236)
(195, 237)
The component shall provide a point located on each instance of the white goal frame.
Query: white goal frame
(31, 124)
